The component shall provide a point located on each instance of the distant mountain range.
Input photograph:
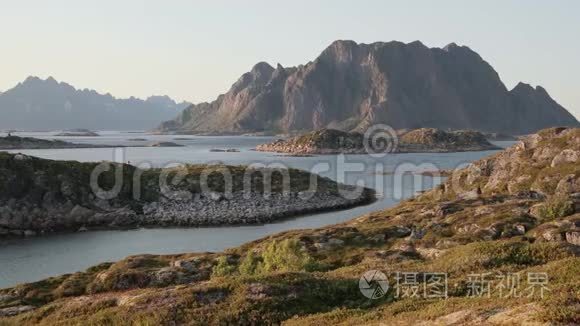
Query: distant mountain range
(351, 86)
(38, 104)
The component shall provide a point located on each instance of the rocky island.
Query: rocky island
(40, 196)
(425, 140)
(78, 133)
(164, 144)
(515, 212)
(16, 142)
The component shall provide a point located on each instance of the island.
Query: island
(424, 140)
(78, 133)
(227, 150)
(41, 196)
(164, 144)
(16, 142)
(517, 212)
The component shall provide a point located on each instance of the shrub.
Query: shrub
(555, 207)
(250, 264)
(223, 267)
(286, 256)
(279, 256)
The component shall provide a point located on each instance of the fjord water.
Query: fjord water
(31, 259)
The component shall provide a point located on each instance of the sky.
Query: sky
(194, 50)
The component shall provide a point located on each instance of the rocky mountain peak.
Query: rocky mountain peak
(417, 43)
(450, 46)
(341, 51)
(31, 79)
(541, 90)
(523, 87)
(351, 85)
(262, 69)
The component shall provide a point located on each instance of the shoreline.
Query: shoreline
(208, 213)
(362, 152)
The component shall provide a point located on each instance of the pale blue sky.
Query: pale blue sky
(194, 50)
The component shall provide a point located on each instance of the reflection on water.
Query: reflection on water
(25, 260)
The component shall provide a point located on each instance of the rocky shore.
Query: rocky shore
(514, 213)
(425, 140)
(40, 196)
(216, 209)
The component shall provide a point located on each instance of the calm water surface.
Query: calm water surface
(31, 259)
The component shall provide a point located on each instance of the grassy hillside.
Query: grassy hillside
(491, 224)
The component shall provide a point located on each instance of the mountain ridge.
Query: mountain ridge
(40, 104)
(350, 86)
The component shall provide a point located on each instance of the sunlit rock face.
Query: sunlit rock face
(351, 86)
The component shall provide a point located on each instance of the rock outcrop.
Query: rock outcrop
(351, 86)
(425, 140)
(40, 196)
(545, 163)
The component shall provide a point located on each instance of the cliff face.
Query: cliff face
(350, 86)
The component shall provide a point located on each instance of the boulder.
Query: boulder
(566, 156)
(166, 276)
(568, 185)
(552, 234)
(190, 265)
(13, 311)
(573, 237)
(329, 244)
(80, 214)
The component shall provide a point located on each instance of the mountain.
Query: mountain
(351, 86)
(38, 104)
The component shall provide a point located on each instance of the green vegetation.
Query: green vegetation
(20, 173)
(310, 277)
(223, 267)
(250, 265)
(556, 206)
(286, 256)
